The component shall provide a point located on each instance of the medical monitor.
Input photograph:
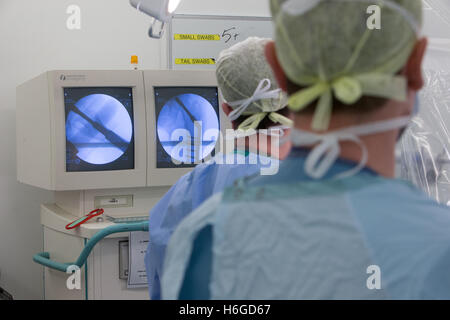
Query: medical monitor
(81, 130)
(184, 109)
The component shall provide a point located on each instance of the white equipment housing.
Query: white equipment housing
(131, 193)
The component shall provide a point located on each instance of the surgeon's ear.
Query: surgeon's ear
(413, 69)
(272, 59)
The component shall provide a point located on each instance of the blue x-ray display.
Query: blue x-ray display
(99, 129)
(187, 125)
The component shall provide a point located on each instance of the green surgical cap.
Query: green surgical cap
(344, 49)
(248, 85)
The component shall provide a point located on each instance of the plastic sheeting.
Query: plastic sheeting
(425, 147)
(424, 151)
(437, 18)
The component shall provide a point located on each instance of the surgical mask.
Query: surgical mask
(263, 91)
(415, 113)
(327, 150)
(276, 131)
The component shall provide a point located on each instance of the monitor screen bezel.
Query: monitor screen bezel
(83, 166)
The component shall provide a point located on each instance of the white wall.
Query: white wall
(34, 39)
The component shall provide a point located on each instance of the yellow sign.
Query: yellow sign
(198, 37)
(195, 61)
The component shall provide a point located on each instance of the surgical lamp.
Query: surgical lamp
(160, 10)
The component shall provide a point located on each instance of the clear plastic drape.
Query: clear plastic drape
(424, 151)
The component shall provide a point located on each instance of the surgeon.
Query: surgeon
(255, 103)
(333, 223)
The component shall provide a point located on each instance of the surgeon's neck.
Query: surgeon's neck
(381, 146)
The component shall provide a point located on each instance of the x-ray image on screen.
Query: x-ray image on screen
(187, 125)
(99, 129)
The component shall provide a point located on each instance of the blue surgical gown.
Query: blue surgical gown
(184, 197)
(402, 231)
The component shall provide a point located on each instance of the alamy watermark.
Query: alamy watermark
(374, 280)
(374, 21)
(262, 147)
(74, 20)
(73, 282)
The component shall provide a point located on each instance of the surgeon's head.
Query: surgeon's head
(253, 97)
(347, 62)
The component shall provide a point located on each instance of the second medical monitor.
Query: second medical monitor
(184, 109)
